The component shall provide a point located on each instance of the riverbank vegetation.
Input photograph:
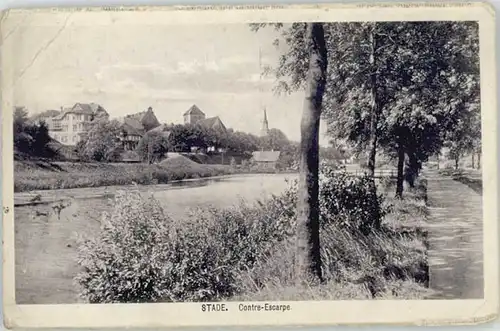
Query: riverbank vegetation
(44, 175)
(370, 249)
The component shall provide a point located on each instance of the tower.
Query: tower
(264, 130)
(265, 125)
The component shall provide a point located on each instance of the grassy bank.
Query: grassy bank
(471, 179)
(246, 252)
(43, 175)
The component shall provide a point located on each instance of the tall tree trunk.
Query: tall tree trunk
(308, 255)
(374, 104)
(411, 169)
(401, 163)
(438, 160)
(479, 160)
(473, 161)
(457, 160)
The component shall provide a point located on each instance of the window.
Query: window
(74, 138)
(75, 127)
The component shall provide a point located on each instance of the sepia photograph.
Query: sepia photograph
(246, 165)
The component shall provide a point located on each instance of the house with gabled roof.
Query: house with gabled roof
(134, 127)
(213, 123)
(69, 124)
(195, 116)
(266, 159)
(147, 119)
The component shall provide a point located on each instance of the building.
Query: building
(264, 131)
(213, 123)
(45, 117)
(164, 129)
(68, 126)
(134, 127)
(193, 115)
(147, 119)
(266, 159)
(132, 132)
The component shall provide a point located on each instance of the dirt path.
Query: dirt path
(455, 239)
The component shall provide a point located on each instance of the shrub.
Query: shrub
(127, 261)
(350, 201)
(141, 255)
(347, 200)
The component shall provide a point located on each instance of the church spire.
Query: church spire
(265, 125)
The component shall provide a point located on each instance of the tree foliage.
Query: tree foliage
(31, 139)
(153, 147)
(101, 142)
(401, 86)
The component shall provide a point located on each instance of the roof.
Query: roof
(163, 128)
(212, 122)
(80, 108)
(137, 116)
(83, 108)
(131, 126)
(46, 114)
(266, 156)
(194, 110)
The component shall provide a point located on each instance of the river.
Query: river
(45, 244)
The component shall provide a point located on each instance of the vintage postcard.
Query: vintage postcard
(249, 165)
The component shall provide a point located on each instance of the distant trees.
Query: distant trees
(101, 142)
(183, 138)
(242, 142)
(31, 139)
(274, 140)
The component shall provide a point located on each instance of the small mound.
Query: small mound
(179, 161)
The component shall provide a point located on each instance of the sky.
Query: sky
(128, 68)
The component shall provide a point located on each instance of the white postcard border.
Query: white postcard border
(303, 312)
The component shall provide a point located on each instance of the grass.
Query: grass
(389, 264)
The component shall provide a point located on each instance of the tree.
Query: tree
(152, 147)
(31, 139)
(20, 119)
(274, 140)
(308, 245)
(398, 85)
(101, 142)
(241, 142)
(305, 65)
(356, 92)
(178, 139)
(437, 85)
